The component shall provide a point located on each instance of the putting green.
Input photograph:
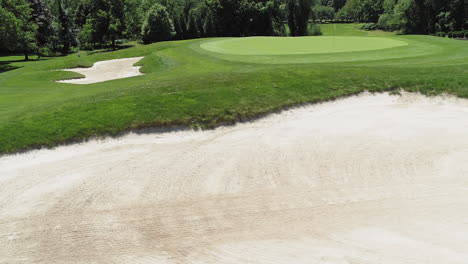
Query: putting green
(299, 45)
(324, 49)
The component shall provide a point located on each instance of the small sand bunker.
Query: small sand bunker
(372, 179)
(107, 70)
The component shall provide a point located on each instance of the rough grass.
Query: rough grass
(184, 86)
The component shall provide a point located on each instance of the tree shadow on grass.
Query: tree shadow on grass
(6, 66)
(105, 50)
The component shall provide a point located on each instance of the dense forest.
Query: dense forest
(47, 27)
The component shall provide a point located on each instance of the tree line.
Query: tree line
(51, 26)
(409, 16)
(45, 27)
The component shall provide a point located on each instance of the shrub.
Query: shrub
(466, 34)
(43, 52)
(314, 30)
(85, 37)
(456, 34)
(323, 13)
(387, 22)
(440, 34)
(158, 26)
(284, 30)
(370, 27)
(460, 34)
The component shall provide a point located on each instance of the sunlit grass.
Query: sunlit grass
(183, 85)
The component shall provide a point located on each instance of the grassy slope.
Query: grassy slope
(185, 87)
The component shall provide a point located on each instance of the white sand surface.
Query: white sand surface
(107, 70)
(371, 179)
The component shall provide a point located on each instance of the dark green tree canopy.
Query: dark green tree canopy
(158, 26)
(17, 28)
(42, 17)
(322, 13)
(299, 13)
(33, 26)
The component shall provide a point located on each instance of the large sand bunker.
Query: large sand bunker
(107, 70)
(368, 179)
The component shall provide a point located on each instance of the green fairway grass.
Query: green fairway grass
(315, 49)
(344, 30)
(187, 85)
(299, 45)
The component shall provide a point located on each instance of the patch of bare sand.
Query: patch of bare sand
(107, 70)
(367, 179)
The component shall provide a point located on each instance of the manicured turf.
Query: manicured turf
(299, 45)
(316, 49)
(187, 85)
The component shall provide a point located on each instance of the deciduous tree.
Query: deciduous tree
(17, 29)
(158, 26)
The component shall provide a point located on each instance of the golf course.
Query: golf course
(208, 82)
(349, 147)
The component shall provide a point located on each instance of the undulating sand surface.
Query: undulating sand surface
(107, 70)
(375, 179)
